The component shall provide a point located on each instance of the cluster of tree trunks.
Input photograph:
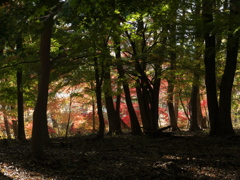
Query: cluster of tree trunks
(220, 111)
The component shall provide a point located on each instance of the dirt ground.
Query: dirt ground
(180, 156)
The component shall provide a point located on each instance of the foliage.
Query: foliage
(87, 29)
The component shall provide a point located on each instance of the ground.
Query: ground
(181, 156)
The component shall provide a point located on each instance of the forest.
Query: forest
(119, 89)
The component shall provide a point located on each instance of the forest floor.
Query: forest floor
(181, 156)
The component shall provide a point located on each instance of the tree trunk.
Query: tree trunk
(113, 118)
(93, 115)
(93, 109)
(98, 91)
(201, 120)
(224, 126)
(209, 60)
(15, 128)
(6, 123)
(171, 110)
(155, 95)
(69, 116)
(176, 105)
(40, 134)
(143, 86)
(171, 79)
(21, 131)
(135, 126)
(198, 53)
(143, 112)
(194, 126)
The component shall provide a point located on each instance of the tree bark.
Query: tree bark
(171, 110)
(209, 60)
(98, 91)
(6, 123)
(224, 126)
(135, 126)
(21, 131)
(93, 109)
(171, 79)
(194, 126)
(40, 134)
(113, 118)
(143, 110)
(201, 120)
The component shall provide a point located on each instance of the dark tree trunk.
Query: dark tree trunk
(93, 109)
(176, 105)
(173, 58)
(143, 87)
(113, 118)
(5, 118)
(194, 126)
(209, 60)
(6, 123)
(69, 116)
(143, 112)
(93, 115)
(155, 95)
(198, 54)
(98, 91)
(147, 90)
(135, 127)
(21, 131)
(171, 110)
(40, 134)
(201, 120)
(224, 126)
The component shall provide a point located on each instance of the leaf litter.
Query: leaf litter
(181, 156)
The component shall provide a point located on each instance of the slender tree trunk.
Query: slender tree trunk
(21, 131)
(98, 91)
(40, 134)
(93, 115)
(196, 82)
(143, 112)
(146, 94)
(69, 116)
(135, 126)
(113, 118)
(171, 109)
(224, 126)
(201, 120)
(5, 118)
(173, 58)
(194, 126)
(6, 123)
(209, 60)
(155, 95)
(176, 105)
(93, 109)
(143, 87)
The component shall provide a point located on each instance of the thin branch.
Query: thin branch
(13, 65)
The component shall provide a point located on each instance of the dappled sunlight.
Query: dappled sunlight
(125, 157)
(12, 171)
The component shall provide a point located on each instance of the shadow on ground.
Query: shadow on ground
(182, 156)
